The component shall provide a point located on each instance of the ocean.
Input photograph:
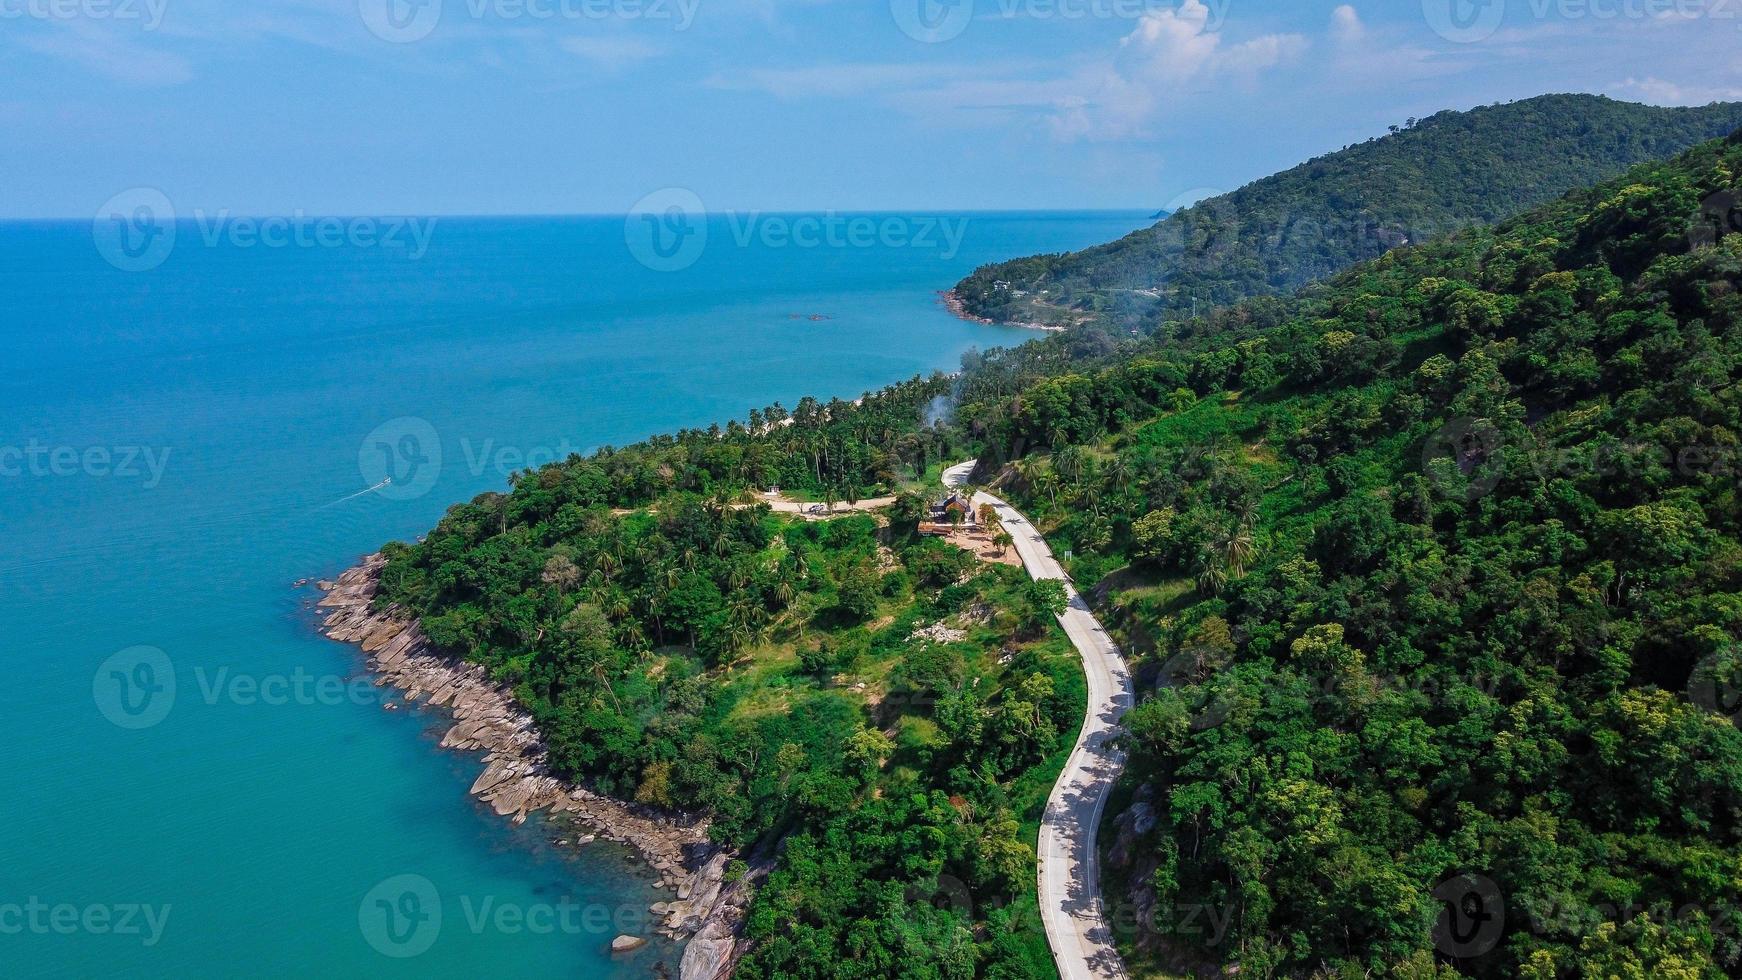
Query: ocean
(197, 418)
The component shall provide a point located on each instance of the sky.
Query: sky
(349, 107)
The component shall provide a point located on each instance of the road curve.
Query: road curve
(1070, 864)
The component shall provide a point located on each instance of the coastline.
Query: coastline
(517, 780)
(953, 302)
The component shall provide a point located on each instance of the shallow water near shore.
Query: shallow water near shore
(188, 442)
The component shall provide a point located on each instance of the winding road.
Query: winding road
(1070, 866)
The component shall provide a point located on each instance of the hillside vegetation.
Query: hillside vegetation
(884, 708)
(1432, 575)
(1434, 176)
(1436, 589)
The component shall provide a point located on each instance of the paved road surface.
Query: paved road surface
(1070, 872)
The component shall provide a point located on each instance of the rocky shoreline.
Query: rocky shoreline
(517, 781)
(959, 310)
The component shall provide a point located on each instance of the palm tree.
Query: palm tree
(1003, 540)
(1048, 483)
(596, 587)
(597, 662)
(738, 575)
(1247, 514)
(738, 636)
(631, 637)
(1070, 464)
(1212, 573)
(1119, 473)
(1238, 551)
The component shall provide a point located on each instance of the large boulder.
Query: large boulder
(709, 954)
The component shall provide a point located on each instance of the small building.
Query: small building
(944, 511)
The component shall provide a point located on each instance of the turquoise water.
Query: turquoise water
(178, 446)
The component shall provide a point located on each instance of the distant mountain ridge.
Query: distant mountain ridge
(1429, 177)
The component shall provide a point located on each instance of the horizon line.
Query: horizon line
(511, 215)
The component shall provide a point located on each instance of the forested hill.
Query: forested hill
(1427, 178)
(1433, 591)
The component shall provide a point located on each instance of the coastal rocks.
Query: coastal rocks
(626, 944)
(517, 781)
(709, 954)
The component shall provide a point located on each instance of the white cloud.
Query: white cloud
(846, 79)
(107, 49)
(1157, 66)
(1346, 24)
(1660, 92)
(1176, 45)
(1168, 58)
(610, 53)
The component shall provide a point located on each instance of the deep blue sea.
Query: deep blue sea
(190, 789)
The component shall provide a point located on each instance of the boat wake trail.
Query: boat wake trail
(360, 493)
